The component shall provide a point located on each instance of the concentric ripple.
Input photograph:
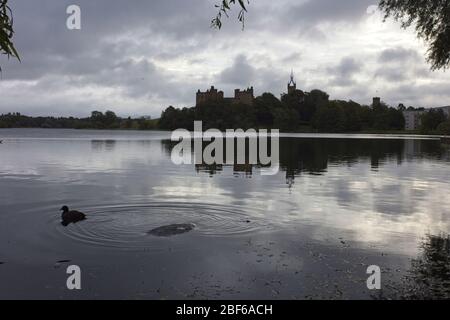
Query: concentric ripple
(128, 226)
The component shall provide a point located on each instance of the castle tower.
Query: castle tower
(209, 96)
(292, 85)
(244, 97)
(376, 102)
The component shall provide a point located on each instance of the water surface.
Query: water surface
(338, 204)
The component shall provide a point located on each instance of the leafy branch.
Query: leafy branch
(7, 31)
(225, 8)
(431, 20)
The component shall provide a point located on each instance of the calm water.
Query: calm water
(338, 205)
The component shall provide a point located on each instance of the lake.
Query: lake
(339, 204)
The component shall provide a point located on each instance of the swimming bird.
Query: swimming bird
(71, 216)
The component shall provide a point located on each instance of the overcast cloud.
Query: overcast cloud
(137, 57)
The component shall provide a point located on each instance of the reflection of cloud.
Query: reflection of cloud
(390, 208)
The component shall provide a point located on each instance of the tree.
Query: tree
(432, 119)
(264, 106)
(432, 23)
(313, 101)
(6, 31)
(109, 119)
(225, 8)
(444, 128)
(330, 118)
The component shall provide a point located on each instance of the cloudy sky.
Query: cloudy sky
(137, 57)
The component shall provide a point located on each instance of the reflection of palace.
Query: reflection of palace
(100, 145)
(246, 169)
(313, 156)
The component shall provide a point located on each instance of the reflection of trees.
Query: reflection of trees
(313, 155)
(99, 145)
(429, 277)
(211, 169)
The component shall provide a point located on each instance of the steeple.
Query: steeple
(292, 85)
(292, 81)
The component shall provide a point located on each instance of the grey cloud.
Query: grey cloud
(314, 11)
(399, 54)
(243, 73)
(140, 56)
(400, 64)
(239, 73)
(292, 58)
(392, 74)
(343, 73)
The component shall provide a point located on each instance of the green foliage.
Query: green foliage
(264, 106)
(286, 119)
(329, 118)
(432, 22)
(343, 116)
(431, 120)
(6, 31)
(97, 120)
(289, 115)
(109, 120)
(386, 118)
(444, 128)
(314, 100)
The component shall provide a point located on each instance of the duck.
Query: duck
(71, 216)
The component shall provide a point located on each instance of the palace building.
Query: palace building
(246, 96)
(215, 96)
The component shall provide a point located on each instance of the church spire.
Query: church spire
(292, 85)
(292, 81)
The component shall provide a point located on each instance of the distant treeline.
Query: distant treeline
(311, 113)
(97, 120)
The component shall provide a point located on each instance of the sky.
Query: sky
(138, 57)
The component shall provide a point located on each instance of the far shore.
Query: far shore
(367, 132)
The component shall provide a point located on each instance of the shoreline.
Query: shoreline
(399, 132)
(351, 135)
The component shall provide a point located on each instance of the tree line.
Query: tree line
(313, 112)
(97, 120)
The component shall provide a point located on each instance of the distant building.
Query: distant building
(211, 95)
(244, 97)
(293, 91)
(292, 85)
(413, 119)
(214, 96)
(376, 102)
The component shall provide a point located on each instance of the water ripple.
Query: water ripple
(127, 226)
